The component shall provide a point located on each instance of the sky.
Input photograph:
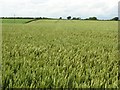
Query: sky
(103, 9)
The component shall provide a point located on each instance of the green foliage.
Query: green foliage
(74, 18)
(64, 53)
(69, 17)
(60, 18)
(91, 18)
(115, 18)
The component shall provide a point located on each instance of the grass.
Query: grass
(60, 53)
(16, 21)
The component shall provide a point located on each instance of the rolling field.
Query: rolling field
(60, 54)
(17, 21)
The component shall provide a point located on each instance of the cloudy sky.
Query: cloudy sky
(103, 9)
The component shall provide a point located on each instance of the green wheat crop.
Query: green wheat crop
(60, 54)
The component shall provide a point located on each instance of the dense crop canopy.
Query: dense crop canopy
(64, 53)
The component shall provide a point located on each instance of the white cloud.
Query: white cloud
(57, 8)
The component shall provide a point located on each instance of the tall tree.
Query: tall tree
(60, 18)
(115, 18)
(93, 18)
(69, 17)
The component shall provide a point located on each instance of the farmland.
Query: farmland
(60, 53)
(16, 21)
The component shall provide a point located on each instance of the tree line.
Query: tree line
(90, 18)
(68, 18)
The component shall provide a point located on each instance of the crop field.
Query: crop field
(60, 54)
(16, 21)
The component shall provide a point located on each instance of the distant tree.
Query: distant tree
(93, 18)
(45, 18)
(40, 17)
(86, 19)
(115, 18)
(78, 18)
(60, 18)
(69, 17)
(74, 18)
